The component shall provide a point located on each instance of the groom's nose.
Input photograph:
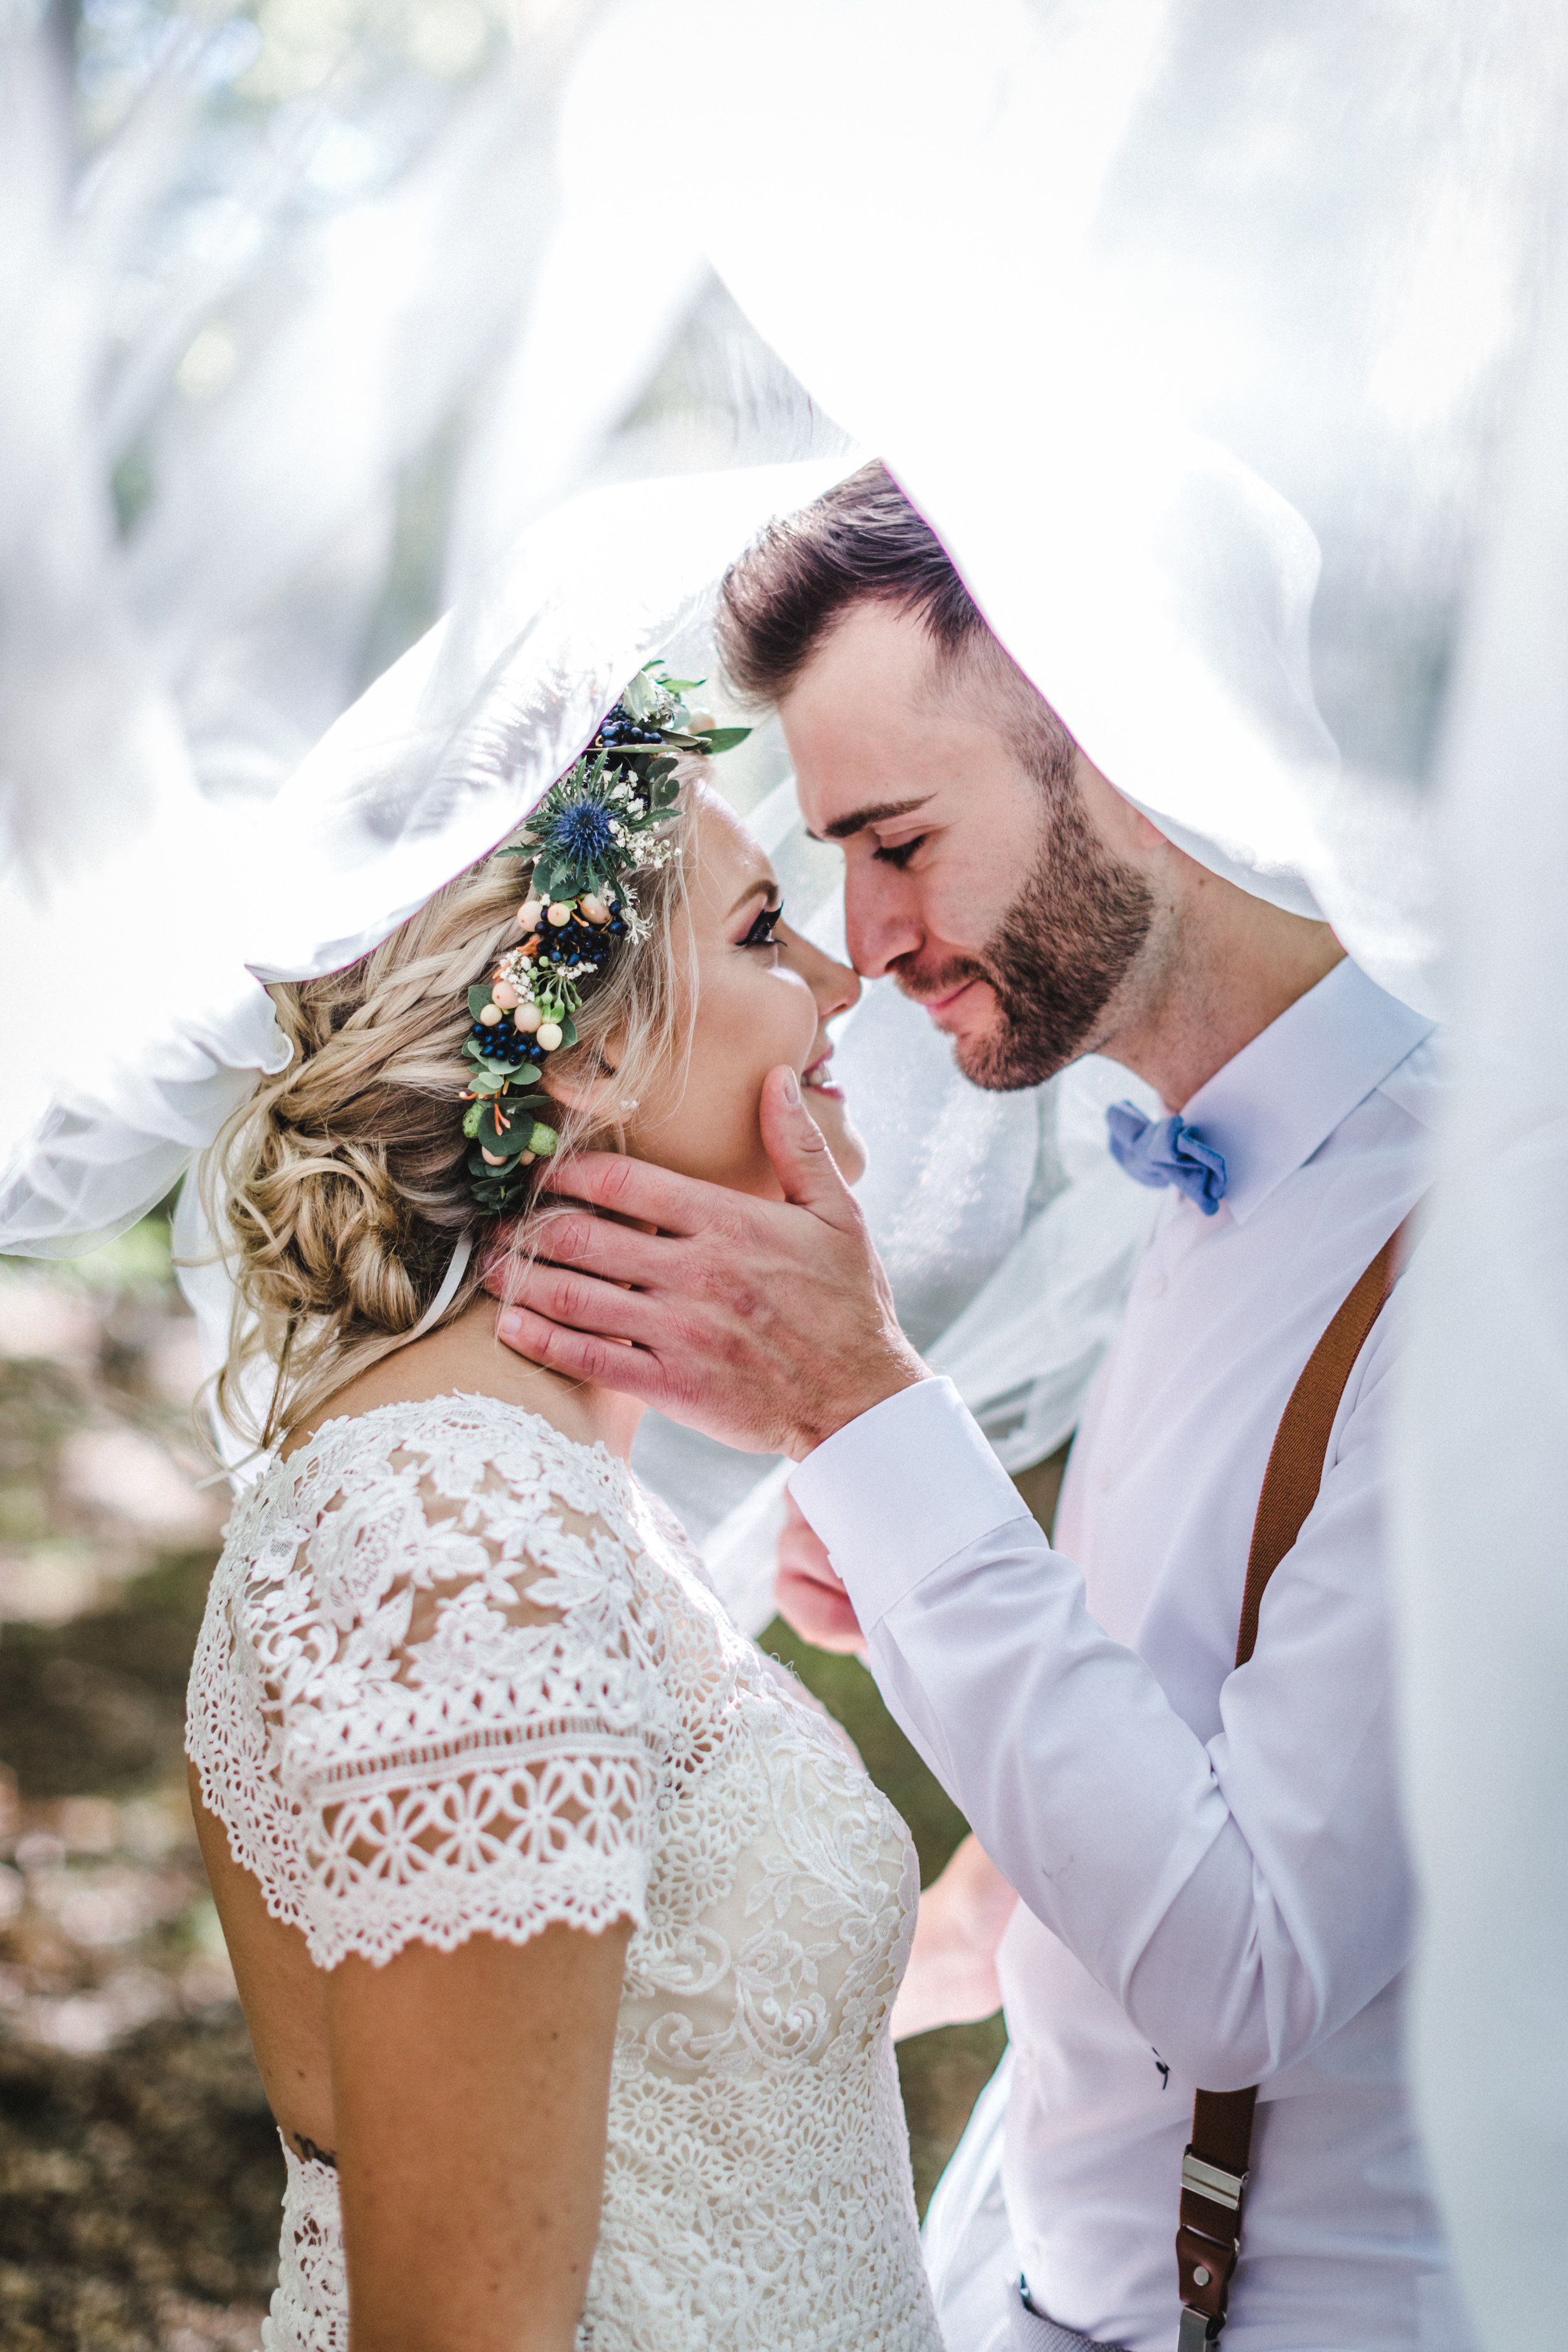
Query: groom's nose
(881, 920)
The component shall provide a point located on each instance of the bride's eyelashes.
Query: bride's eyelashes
(760, 934)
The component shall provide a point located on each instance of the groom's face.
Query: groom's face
(1009, 894)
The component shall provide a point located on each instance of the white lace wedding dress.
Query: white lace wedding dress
(459, 1675)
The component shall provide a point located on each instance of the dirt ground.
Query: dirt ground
(140, 2175)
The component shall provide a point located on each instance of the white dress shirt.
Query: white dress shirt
(1214, 1882)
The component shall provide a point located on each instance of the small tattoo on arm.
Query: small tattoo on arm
(1161, 2067)
(312, 2153)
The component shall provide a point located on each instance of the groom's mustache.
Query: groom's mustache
(930, 984)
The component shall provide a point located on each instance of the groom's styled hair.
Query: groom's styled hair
(864, 543)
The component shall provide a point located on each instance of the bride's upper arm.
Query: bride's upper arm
(471, 2092)
(433, 1714)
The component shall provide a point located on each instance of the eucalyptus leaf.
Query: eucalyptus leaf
(479, 997)
(725, 739)
(514, 1138)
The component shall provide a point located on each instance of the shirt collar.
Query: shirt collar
(1275, 1102)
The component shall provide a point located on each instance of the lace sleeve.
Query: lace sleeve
(452, 1688)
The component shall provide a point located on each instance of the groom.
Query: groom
(1214, 1887)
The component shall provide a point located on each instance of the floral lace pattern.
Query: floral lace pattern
(458, 1674)
(311, 2305)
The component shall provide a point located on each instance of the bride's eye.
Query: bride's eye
(760, 934)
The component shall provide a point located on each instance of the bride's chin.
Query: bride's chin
(833, 1119)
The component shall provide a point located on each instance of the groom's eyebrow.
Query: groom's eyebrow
(874, 812)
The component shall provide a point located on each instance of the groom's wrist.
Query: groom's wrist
(904, 1488)
(847, 1400)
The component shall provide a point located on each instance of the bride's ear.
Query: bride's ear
(585, 1081)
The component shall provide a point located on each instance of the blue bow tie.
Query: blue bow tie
(1163, 1152)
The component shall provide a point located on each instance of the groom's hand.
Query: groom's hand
(766, 1323)
(806, 1593)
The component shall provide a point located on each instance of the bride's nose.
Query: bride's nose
(834, 986)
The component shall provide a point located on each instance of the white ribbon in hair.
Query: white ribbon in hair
(447, 1292)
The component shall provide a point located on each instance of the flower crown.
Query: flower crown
(591, 833)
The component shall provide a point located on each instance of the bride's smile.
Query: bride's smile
(763, 996)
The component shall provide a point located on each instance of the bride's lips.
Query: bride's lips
(814, 1076)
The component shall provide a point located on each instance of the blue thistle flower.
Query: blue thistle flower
(582, 833)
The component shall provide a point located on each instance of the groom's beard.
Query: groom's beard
(1064, 947)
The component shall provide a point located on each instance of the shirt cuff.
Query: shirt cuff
(898, 1490)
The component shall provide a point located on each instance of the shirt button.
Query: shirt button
(1155, 1285)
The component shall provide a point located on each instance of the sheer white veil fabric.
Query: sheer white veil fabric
(443, 756)
(1481, 1470)
(1153, 587)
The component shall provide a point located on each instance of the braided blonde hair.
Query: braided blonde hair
(343, 1182)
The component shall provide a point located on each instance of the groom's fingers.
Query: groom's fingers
(592, 1244)
(822, 1614)
(798, 1149)
(583, 1355)
(584, 1303)
(766, 1323)
(650, 1196)
(806, 1593)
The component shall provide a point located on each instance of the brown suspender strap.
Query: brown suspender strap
(1215, 2167)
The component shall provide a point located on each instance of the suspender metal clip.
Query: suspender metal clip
(1212, 2180)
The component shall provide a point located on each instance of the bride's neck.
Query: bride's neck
(467, 1356)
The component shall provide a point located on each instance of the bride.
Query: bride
(565, 1925)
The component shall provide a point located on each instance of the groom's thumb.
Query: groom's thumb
(802, 1161)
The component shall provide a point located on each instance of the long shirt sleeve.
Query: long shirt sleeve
(1242, 1895)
